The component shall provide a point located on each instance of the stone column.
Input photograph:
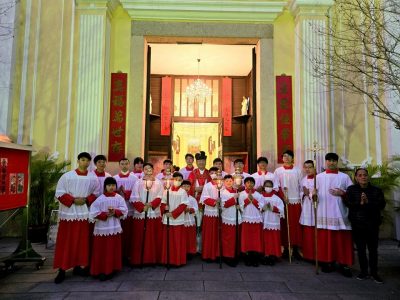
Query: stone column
(311, 98)
(6, 62)
(92, 79)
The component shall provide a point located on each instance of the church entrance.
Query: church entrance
(220, 122)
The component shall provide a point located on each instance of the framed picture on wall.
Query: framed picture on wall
(157, 158)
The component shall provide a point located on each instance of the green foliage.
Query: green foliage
(45, 173)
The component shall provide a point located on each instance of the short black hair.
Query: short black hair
(309, 161)
(85, 155)
(217, 160)
(148, 164)
(229, 176)
(332, 156)
(239, 160)
(186, 182)
(213, 169)
(268, 181)
(167, 161)
(138, 160)
(262, 158)
(122, 159)
(177, 174)
(288, 152)
(109, 180)
(249, 179)
(189, 155)
(99, 157)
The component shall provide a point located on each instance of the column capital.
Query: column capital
(97, 6)
(309, 8)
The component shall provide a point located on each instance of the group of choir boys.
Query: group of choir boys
(144, 219)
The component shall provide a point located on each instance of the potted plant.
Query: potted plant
(45, 171)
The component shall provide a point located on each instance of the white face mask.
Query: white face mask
(213, 176)
(177, 183)
(268, 189)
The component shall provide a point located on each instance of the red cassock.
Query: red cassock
(191, 242)
(251, 237)
(72, 244)
(106, 257)
(177, 245)
(272, 242)
(333, 246)
(296, 234)
(229, 240)
(152, 244)
(209, 238)
(127, 229)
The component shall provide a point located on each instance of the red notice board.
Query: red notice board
(14, 175)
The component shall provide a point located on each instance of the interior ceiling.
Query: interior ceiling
(215, 60)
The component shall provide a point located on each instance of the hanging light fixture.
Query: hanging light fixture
(198, 89)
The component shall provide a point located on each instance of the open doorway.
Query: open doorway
(204, 119)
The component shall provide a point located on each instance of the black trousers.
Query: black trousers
(367, 238)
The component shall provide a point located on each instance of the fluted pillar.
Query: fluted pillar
(92, 77)
(6, 62)
(312, 101)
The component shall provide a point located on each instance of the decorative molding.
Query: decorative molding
(240, 11)
(309, 8)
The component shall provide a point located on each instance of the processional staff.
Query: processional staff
(167, 184)
(286, 200)
(219, 181)
(314, 150)
(148, 181)
(237, 180)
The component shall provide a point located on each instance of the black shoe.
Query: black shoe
(346, 272)
(265, 261)
(326, 268)
(285, 253)
(77, 271)
(362, 276)
(296, 254)
(271, 260)
(60, 276)
(103, 277)
(376, 278)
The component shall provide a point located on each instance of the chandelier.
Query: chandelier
(198, 89)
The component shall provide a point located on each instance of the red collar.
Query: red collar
(265, 194)
(137, 172)
(310, 176)
(123, 176)
(100, 174)
(230, 190)
(80, 173)
(112, 194)
(288, 167)
(175, 188)
(260, 173)
(250, 191)
(189, 168)
(329, 171)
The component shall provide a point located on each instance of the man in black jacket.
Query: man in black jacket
(365, 203)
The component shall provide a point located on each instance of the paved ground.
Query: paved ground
(200, 280)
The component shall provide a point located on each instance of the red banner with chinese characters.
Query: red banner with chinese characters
(284, 115)
(166, 88)
(226, 95)
(116, 137)
(14, 166)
